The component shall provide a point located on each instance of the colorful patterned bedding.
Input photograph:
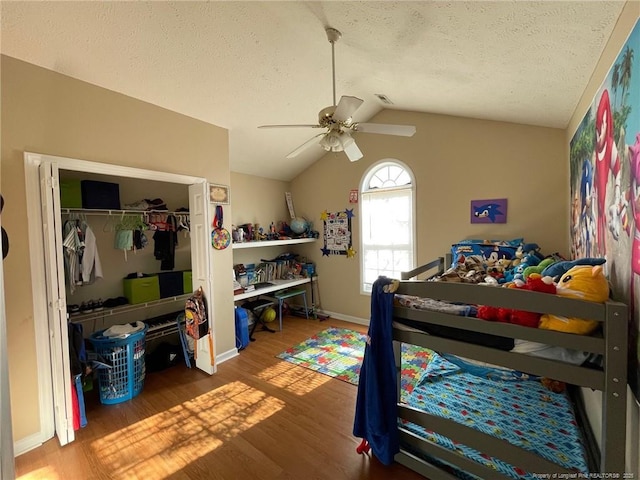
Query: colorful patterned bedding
(524, 413)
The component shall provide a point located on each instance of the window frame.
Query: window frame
(364, 188)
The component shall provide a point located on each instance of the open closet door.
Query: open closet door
(56, 302)
(201, 268)
(7, 467)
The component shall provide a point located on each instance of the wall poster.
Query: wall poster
(605, 187)
(337, 233)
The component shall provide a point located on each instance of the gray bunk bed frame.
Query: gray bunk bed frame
(611, 380)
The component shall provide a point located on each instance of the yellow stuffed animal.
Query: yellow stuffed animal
(582, 282)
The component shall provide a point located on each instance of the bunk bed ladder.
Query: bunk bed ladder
(614, 393)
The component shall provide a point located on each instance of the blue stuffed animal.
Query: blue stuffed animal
(560, 268)
(530, 260)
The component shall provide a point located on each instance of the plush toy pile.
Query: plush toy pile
(516, 264)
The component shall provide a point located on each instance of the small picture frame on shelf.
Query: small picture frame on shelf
(219, 194)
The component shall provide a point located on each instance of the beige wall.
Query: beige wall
(593, 399)
(258, 200)
(46, 112)
(454, 160)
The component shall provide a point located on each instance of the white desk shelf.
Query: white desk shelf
(272, 243)
(277, 285)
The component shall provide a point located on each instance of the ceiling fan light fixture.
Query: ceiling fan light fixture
(331, 142)
(338, 120)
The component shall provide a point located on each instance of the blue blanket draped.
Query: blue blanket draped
(376, 418)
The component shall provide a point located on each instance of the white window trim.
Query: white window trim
(366, 177)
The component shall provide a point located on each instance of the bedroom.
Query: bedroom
(543, 152)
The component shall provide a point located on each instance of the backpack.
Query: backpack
(195, 315)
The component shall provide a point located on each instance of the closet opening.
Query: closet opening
(145, 243)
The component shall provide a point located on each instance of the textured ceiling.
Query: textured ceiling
(243, 64)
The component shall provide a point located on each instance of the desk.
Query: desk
(282, 296)
(277, 285)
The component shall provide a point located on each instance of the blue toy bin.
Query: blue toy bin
(121, 376)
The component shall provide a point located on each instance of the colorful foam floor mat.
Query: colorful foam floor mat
(336, 352)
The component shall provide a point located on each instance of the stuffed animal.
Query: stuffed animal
(519, 317)
(539, 268)
(530, 260)
(558, 269)
(583, 282)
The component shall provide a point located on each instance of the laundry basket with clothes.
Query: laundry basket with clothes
(120, 352)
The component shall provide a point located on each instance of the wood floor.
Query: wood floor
(258, 418)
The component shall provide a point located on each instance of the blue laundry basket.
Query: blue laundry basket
(122, 376)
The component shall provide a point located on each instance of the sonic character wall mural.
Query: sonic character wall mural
(605, 187)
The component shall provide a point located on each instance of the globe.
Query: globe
(298, 225)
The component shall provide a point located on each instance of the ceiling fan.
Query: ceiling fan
(337, 121)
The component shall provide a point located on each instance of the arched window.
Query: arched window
(387, 231)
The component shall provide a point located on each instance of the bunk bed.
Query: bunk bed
(420, 432)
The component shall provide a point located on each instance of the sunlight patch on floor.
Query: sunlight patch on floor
(161, 445)
(293, 378)
(47, 472)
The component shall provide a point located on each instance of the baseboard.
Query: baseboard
(346, 318)
(228, 355)
(28, 443)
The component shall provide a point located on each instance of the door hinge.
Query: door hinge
(52, 182)
(60, 305)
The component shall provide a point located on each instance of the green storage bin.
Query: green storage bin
(141, 290)
(70, 194)
(187, 279)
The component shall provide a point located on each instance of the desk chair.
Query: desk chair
(282, 295)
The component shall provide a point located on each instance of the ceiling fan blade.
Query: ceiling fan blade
(352, 151)
(304, 146)
(401, 130)
(290, 126)
(346, 108)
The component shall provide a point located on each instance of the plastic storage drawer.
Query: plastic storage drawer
(141, 290)
(171, 284)
(187, 279)
(100, 195)
(70, 194)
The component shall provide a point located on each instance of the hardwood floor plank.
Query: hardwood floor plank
(258, 418)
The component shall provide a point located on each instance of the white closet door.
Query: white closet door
(7, 467)
(201, 268)
(56, 302)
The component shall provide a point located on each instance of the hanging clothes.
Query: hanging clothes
(165, 244)
(72, 249)
(80, 253)
(90, 260)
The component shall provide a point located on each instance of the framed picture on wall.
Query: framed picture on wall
(219, 194)
(489, 211)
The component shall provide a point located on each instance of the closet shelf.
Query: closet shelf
(85, 317)
(92, 211)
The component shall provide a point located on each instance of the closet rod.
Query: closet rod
(92, 211)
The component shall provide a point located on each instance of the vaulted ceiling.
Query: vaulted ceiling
(243, 64)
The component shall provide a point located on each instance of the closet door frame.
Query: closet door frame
(32, 162)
